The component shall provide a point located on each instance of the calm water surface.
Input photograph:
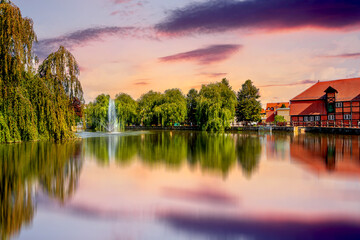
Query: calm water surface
(182, 185)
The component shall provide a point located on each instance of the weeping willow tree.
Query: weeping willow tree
(34, 106)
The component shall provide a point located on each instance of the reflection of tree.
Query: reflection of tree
(212, 152)
(20, 166)
(163, 147)
(248, 151)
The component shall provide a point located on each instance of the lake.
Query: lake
(182, 185)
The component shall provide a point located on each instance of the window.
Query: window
(338, 104)
(272, 109)
(317, 118)
(347, 117)
(331, 117)
(306, 119)
(311, 118)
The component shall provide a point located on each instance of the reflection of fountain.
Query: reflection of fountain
(112, 125)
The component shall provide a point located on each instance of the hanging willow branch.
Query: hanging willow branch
(61, 72)
(16, 39)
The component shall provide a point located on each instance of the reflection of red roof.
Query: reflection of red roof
(348, 89)
(276, 105)
(308, 108)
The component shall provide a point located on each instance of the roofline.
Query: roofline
(336, 80)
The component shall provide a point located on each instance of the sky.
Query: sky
(133, 46)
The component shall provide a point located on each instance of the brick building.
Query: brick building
(329, 103)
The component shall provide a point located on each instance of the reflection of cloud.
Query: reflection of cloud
(344, 55)
(302, 82)
(218, 226)
(82, 37)
(207, 55)
(214, 16)
(208, 195)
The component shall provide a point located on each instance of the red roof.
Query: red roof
(308, 108)
(348, 89)
(276, 105)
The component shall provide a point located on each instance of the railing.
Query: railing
(328, 123)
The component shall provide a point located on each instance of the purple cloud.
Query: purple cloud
(344, 55)
(82, 37)
(302, 82)
(213, 75)
(205, 195)
(207, 55)
(223, 15)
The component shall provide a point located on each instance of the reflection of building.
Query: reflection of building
(331, 103)
(322, 154)
(272, 108)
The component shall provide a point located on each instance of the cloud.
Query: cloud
(213, 75)
(84, 36)
(142, 82)
(205, 195)
(223, 15)
(344, 55)
(207, 55)
(215, 226)
(302, 82)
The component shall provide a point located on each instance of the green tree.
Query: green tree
(97, 112)
(126, 109)
(146, 105)
(216, 106)
(248, 107)
(191, 104)
(30, 107)
(172, 108)
(279, 119)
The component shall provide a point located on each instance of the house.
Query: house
(328, 103)
(271, 110)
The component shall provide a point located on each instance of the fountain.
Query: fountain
(112, 125)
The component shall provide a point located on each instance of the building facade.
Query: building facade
(271, 110)
(328, 104)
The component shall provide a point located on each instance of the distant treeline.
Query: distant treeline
(34, 105)
(213, 108)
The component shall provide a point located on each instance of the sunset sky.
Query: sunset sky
(134, 46)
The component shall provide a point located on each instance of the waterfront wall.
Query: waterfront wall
(329, 130)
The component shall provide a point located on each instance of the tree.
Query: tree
(279, 119)
(283, 106)
(248, 106)
(172, 108)
(126, 109)
(97, 112)
(191, 105)
(146, 105)
(216, 106)
(61, 73)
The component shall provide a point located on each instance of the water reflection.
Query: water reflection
(211, 152)
(115, 187)
(327, 153)
(55, 168)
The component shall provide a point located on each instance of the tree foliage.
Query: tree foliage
(248, 106)
(32, 107)
(126, 109)
(97, 112)
(216, 106)
(191, 105)
(146, 108)
(172, 108)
